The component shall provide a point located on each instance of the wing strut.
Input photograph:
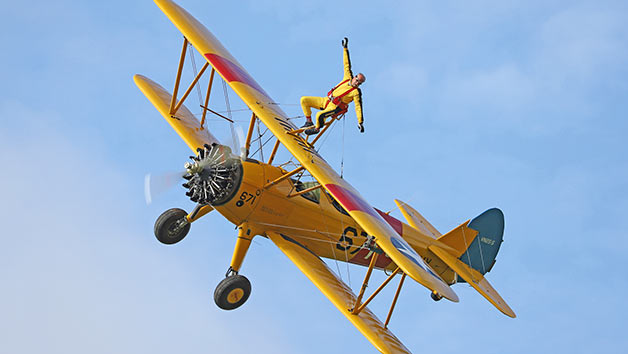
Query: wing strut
(338, 116)
(249, 134)
(178, 79)
(362, 306)
(274, 152)
(174, 108)
(335, 117)
(290, 195)
(187, 92)
(392, 306)
(357, 308)
(287, 175)
(174, 104)
(365, 283)
(209, 90)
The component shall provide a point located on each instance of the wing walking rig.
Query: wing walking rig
(304, 220)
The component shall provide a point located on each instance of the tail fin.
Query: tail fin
(476, 244)
(478, 241)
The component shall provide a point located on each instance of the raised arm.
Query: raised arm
(346, 60)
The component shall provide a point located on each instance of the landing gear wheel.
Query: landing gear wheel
(435, 296)
(172, 226)
(232, 292)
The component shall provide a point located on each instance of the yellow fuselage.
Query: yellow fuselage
(320, 226)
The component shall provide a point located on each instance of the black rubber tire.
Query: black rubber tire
(435, 297)
(166, 222)
(232, 292)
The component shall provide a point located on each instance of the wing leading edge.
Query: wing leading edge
(338, 293)
(278, 123)
(185, 124)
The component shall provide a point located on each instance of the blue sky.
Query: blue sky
(509, 104)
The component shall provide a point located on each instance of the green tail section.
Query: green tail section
(481, 253)
(471, 251)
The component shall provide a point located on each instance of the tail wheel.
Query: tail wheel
(436, 296)
(172, 226)
(232, 292)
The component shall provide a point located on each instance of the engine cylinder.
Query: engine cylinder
(213, 175)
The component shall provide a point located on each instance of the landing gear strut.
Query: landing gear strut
(233, 291)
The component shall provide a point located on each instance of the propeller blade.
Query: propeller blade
(237, 141)
(240, 134)
(157, 184)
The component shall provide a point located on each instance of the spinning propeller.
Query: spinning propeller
(209, 175)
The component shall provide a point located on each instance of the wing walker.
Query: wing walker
(322, 218)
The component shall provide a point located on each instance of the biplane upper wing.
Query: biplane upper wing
(338, 293)
(184, 123)
(277, 122)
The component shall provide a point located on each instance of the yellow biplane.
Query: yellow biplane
(325, 218)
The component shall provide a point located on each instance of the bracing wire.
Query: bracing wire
(264, 144)
(342, 157)
(325, 138)
(261, 151)
(198, 86)
(228, 106)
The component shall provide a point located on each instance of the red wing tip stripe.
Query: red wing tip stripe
(396, 224)
(350, 200)
(232, 72)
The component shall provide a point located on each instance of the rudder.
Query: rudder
(477, 241)
(482, 252)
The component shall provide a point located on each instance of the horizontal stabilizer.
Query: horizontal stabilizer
(416, 220)
(475, 279)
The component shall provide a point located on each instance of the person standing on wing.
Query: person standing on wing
(338, 98)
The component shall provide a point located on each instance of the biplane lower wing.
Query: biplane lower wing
(338, 293)
(277, 122)
(184, 122)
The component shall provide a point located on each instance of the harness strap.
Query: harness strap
(337, 100)
(340, 84)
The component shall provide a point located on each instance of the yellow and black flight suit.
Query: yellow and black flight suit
(338, 98)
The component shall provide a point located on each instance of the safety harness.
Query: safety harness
(337, 100)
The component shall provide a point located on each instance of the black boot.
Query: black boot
(311, 131)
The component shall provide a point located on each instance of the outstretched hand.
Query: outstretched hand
(361, 127)
(345, 42)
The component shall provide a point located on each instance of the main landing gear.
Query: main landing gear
(233, 291)
(174, 224)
